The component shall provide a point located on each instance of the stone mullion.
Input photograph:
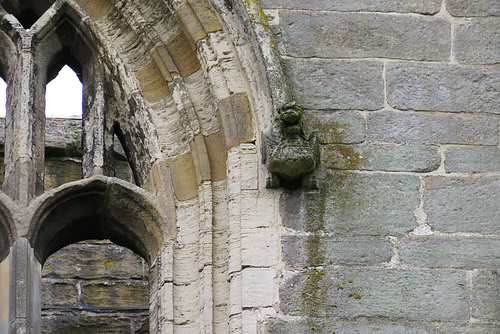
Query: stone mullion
(25, 126)
(97, 137)
(25, 291)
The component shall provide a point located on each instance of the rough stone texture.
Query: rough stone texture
(392, 294)
(336, 84)
(360, 204)
(415, 86)
(423, 7)
(474, 46)
(461, 204)
(485, 294)
(432, 128)
(353, 35)
(443, 252)
(350, 327)
(59, 294)
(337, 251)
(477, 159)
(92, 261)
(89, 322)
(345, 127)
(414, 158)
(473, 8)
(60, 171)
(65, 134)
(130, 294)
(378, 327)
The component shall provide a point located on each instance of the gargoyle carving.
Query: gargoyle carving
(288, 153)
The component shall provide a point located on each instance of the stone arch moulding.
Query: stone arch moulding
(189, 89)
(98, 208)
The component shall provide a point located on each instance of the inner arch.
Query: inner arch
(97, 208)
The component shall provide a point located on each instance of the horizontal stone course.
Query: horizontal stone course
(392, 294)
(355, 35)
(463, 204)
(336, 84)
(423, 7)
(92, 261)
(473, 8)
(77, 322)
(432, 128)
(410, 158)
(478, 41)
(472, 159)
(362, 204)
(281, 326)
(336, 251)
(116, 294)
(59, 294)
(346, 127)
(443, 87)
(443, 252)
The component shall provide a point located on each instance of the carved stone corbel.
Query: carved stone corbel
(288, 153)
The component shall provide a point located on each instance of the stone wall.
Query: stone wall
(403, 234)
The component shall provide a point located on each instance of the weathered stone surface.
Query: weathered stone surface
(87, 322)
(477, 159)
(377, 326)
(478, 41)
(468, 329)
(258, 286)
(115, 294)
(336, 251)
(336, 84)
(473, 8)
(423, 7)
(427, 128)
(442, 252)
(259, 247)
(413, 86)
(361, 204)
(60, 171)
(460, 204)
(410, 158)
(349, 327)
(354, 35)
(393, 294)
(345, 127)
(91, 261)
(485, 295)
(64, 133)
(292, 210)
(59, 294)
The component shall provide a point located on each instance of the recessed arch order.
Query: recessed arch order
(98, 208)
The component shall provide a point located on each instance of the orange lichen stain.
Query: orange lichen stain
(110, 264)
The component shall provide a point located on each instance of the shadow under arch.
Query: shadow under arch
(7, 226)
(98, 208)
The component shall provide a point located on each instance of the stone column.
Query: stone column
(4, 295)
(25, 126)
(97, 139)
(24, 292)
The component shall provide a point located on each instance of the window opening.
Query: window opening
(95, 286)
(3, 114)
(3, 98)
(122, 166)
(64, 95)
(63, 129)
